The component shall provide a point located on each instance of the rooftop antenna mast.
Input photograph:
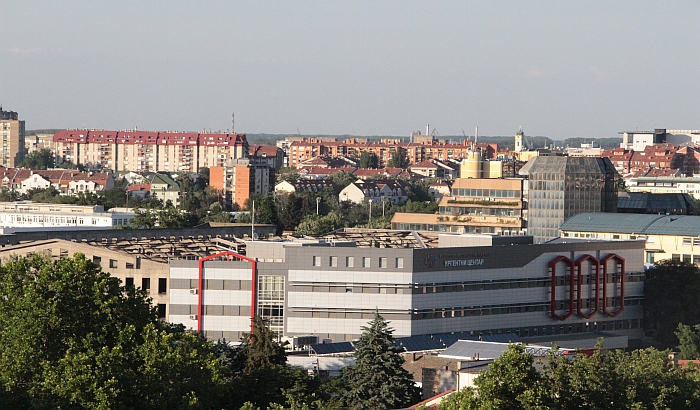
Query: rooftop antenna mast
(233, 123)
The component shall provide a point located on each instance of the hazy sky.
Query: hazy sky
(557, 68)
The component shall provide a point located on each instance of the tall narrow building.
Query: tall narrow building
(561, 187)
(12, 135)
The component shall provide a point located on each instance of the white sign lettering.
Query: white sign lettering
(464, 262)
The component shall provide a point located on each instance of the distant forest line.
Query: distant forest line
(502, 141)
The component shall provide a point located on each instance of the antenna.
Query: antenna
(233, 123)
(298, 130)
(476, 135)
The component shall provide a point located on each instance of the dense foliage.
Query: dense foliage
(643, 379)
(670, 297)
(40, 159)
(377, 380)
(73, 337)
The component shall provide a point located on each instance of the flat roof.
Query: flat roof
(642, 224)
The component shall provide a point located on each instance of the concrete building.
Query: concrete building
(332, 289)
(142, 151)
(638, 140)
(560, 187)
(665, 185)
(238, 179)
(475, 206)
(29, 216)
(12, 137)
(665, 236)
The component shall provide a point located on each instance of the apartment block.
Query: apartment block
(12, 138)
(141, 151)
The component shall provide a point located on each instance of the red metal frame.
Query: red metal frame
(553, 302)
(604, 262)
(200, 293)
(596, 264)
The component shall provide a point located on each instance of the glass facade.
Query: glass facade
(560, 187)
(271, 302)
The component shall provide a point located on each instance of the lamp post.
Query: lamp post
(252, 220)
(318, 200)
(370, 210)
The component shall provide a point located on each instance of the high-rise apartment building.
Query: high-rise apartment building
(12, 136)
(141, 151)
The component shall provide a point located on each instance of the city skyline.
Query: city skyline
(558, 70)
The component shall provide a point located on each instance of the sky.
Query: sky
(555, 68)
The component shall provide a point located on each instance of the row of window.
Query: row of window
(146, 284)
(486, 193)
(515, 308)
(366, 262)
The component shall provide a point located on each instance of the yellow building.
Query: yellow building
(666, 236)
(475, 206)
(12, 136)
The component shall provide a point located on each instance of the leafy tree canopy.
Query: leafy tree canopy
(377, 380)
(40, 159)
(73, 337)
(670, 297)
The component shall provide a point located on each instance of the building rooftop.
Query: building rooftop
(683, 225)
(384, 238)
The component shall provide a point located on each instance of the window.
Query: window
(112, 263)
(129, 265)
(333, 261)
(161, 311)
(129, 282)
(365, 262)
(317, 261)
(383, 262)
(146, 284)
(96, 260)
(162, 285)
(349, 261)
(399, 263)
(687, 241)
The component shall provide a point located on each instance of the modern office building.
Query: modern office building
(330, 289)
(12, 137)
(560, 187)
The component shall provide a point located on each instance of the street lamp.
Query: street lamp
(318, 200)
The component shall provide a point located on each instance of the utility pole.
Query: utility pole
(383, 207)
(370, 210)
(318, 200)
(252, 221)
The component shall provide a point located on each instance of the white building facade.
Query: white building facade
(331, 291)
(28, 216)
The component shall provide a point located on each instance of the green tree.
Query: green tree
(40, 159)
(369, 160)
(377, 380)
(510, 383)
(343, 179)
(317, 225)
(689, 342)
(289, 207)
(73, 337)
(670, 297)
(398, 159)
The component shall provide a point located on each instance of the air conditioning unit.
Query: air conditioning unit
(193, 317)
(193, 291)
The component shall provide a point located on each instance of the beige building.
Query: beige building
(674, 237)
(12, 136)
(476, 206)
(131, 269)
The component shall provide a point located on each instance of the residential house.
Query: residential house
(165, 188)
(306, 185)
(376, 191)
